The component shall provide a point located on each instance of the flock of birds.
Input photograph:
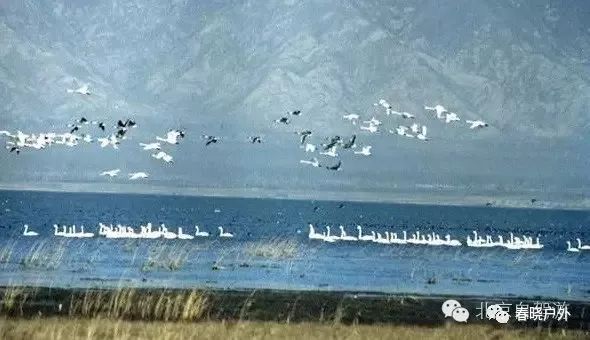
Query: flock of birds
(119, 231)
(434, 239)
(78, 133)
(148, 231)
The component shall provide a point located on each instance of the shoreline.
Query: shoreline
(264, 305)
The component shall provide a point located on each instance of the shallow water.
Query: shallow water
(352, 266)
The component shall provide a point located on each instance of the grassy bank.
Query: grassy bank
(73, 328)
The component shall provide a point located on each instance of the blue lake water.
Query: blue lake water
(315, 265)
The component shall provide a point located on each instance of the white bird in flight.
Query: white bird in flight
(366, 151)
(351, 117)
(111, 140)
(402, 131)
(163, 156)
(422, 135)
(171, 137)
(110, 173)
(310, 147)
(451, 117)
(313, 162)
(331, 152)
(439, 109)
(476, 124)
(137, 175)
(371, 128)
(150, 146)
(81, 90)
(373, 121)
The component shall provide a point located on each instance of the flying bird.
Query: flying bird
(350, 143)
(335, 167)
(310, 147)
(477, 124)
(371, 128)
(163, 156)
(422, 134)
(439, 109)
(296, 112)
(255, 139)
(313, 162)
(331, 153)
(81, 90)
(366, 151)
(451, 117)
(351, 117)
(304, 134)
(283, 120)
(210, 139)
(172, 137)
(137, 175)
(110, 173)
(150, 146)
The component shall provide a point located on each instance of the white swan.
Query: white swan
(110, 173)
(313, 162)
(422, 135)
(310, 147)
(451, 117)
(439, 109)
(150, 146)
(570, 248)
(138, 175)
(328, 237)
(163, 156)
(182, 236)
(199, 233)
(476, 124)
(26, 232)
(224, 234)
(81, 90)
(364, 237)
(313, 235)
(371, 128)
(582, 247)
(171, 137)
(366, 151)
(82, 234)
(345, 237)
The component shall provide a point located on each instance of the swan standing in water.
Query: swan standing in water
(570, 248)
(184, 236)
(582, 247)
(27, 232)
(224, 234)
(364, 237)
(199, 233)
(345, 237)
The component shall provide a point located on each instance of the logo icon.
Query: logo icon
(452, 308)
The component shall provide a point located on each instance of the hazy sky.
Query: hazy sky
(230, 68)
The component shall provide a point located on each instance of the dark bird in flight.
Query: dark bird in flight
(210, 139)
(304, 135)
(283, 120)
(101, 126)
(350, 143)
(296, 113)
(335, 167)
(255, 139)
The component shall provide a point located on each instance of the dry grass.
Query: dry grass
(167, 256)
(13, 299)
(127, 303)
(6, 252)
(45, 255)
(63, 328)
(273, 249)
